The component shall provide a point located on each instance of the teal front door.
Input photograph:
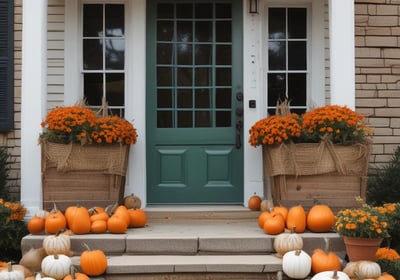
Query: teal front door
(194, 110)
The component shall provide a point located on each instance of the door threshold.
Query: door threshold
(194, 208)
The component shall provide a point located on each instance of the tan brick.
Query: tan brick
(378, 31)
(369, 62)
(390, 78)
(389, 148)
(359, 41)
(395, 122)
(396, 131)
(368, 52)
(389, 93)
(395, 86)
(387, 139)
(366, 94)
(361, 78)
(378, 41)
(372, 9)
(378, 122)
(361, 9)
(392, 62)
(366, 111)
(360, 31)
(367, 70)
(395, 31)
(396, 69)
(383, 131)
(371, 1)
(370, 102)
(393, 102)
(387, 10)
(377, 149)
(361, 20)
(375, 79)
(387, 112)
(391, 53)
(383, 21)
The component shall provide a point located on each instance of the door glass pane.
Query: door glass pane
(164, 98)
(164, 119)
(165, 30)
(184, 31)
(223, 54)
(184, 97)
(276, 23)
(297, 55)
(277, 55)
(223, 76)
(203, 76)
(93, 20)
(223, 31)
(115, 54)
(184, 10)
(115, 89)
(204, 10)
(164, 53)
(203, 54)
(223, 119)
(185, 54)
(276, 88)
(185, 119)
(223, 98)
(297, 23)
(164, 76)
(203, 31)
(203, 99)
(165, 10)
(92, 54)
(184, 76)
(223, 10)
(203, 119)
(93, 88)
(114, 20)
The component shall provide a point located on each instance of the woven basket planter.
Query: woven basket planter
(92, 175)
(330, 173)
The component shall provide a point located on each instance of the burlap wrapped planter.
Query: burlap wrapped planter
(304, 172)
(92, 175)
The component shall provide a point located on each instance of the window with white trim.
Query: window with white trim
(103, 56)
(287, 57)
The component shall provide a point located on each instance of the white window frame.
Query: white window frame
(316, 95)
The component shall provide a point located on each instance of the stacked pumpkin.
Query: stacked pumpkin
(80, 220)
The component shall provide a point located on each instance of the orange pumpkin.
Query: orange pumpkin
(122, 211)
(254, 202)
(281, 210)
(262, 218)
(76, 275)
(324, 261)
(93, 262)
(117, 224)
(320, 218)
(55, 221)
(274, 224)
(296, 218)
(36, 225)
(386, 276)
(78, 219)
(99, 216)
(138, 218)
(98, 226)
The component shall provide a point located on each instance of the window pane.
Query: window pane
(164, 119)
(185, 54)
(184, 76)
(203, 55)
(276, 88)
(184, 98)
(164, 98)
(297, 88)
(93, 88)
(203, 31)
(223, 77)
(92, 20)
(297, 55)
(223, 98)
(277, 23)
(297, 23)
(164, 76)
(203, 76)
(223, 31)
(184, 10)
(115, 89)
(165, 10)
(184, 31)
(203, 119)
(277, 55)
(164, 53)
(223, 119)
(115, 54)
(223, 54)
(92, 54)
(185, 119)
(165, 30)
(223, 10)
(115, 19)
(203, 98)
(204, 10)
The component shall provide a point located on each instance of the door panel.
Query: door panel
(194, 75)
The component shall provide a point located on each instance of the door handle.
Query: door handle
(239, 125)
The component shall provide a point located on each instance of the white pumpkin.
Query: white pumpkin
(12, 274)
(56, 266)
(286, 242)
(296, 264)
(39, 277)
(369, 269)
(57, 244)
(326, 275)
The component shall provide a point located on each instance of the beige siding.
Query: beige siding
(377, 73)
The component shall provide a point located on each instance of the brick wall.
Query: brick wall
(377, 39)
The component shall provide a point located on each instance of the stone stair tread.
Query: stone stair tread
(135, 264)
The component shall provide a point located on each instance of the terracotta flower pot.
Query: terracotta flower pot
(359, 248)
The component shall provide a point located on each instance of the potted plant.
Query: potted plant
(363, 229)
(325, 145)
(84, 156)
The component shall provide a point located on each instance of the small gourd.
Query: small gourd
(93, 262)
(266, 205)
(296, 264)
(132, 201)
(326, 275)
(56, 266)
(254, 202)
(59, 243)
(138, 218)
(11, 274)
(287, 241)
